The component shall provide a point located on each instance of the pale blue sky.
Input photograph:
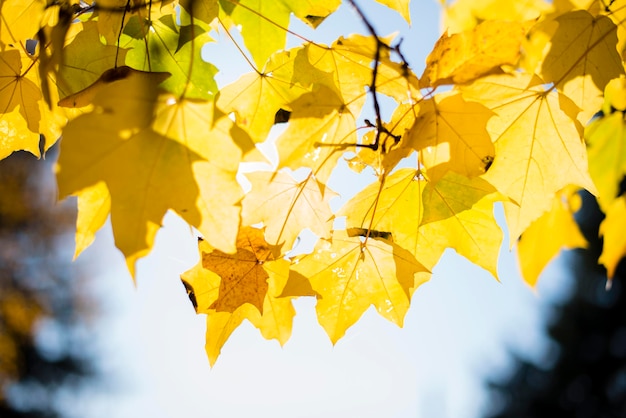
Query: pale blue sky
(457, 331)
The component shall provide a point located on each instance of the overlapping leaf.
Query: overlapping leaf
(583, 58)
(606, 142)
(94, 206)
(256, 97)
(209, 133)
(321, 128)
(24, 115)
(612, 229)
(286, 207)
(538, 145)
(85, 60)
(427, 217)
(465, 56)
(20, 21)
(243, 274)
(348, 64)
(263, 24)
(157, 47)
(349, 275)
(394, 206)
(111, 17)
(166, 166)
(400, 6)
(549, 234)
(458, 214)
(463, 15)
(451, 135)
(213, 295)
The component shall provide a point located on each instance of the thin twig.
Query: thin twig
(372, 89)
(119, 35)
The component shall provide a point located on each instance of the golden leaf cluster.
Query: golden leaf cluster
(521, 104)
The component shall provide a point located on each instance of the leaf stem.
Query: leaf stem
(241, 51)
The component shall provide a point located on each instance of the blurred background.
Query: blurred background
(80, 339)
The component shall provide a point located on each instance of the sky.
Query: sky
(459, 331)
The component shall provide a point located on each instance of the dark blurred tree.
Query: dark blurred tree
(43, 310)
(588, 378)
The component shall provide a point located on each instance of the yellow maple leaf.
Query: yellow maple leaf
(94, 206)
(206, 131)
(553, 231)
(347, 65)
(20, 21)
(203, 10)
(606, 139)
(338, 76)
(166, 168)
(286, 207)
(349, 275)
(538, 145)
(582, 59)
(111, 19)
(612, 229)
(400, 6)
(458, 214)
(24, 115)
(393, 205)
(263, 24)
(256, 97)
(427, 217)
(243, 275)
(204, 287)
(468, 55)
(85, 60)
(450, 135)
(467, 14)
(320, 129)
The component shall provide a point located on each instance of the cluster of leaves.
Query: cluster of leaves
(498, 115)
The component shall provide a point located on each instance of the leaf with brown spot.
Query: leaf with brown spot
(244, 274)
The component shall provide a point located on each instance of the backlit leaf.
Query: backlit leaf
(612, 229)
(209, 133)
(320, 129)
(583, 58)
(466, 14)
(94, 206)
(350, 275)
(191, 76)
(205, 288)
(86, 59)
(606, 142)
(465, 56)
(451, 135)
(394, 206)
(549, 234)
(263, 24)
(124, 149)
(24, 115)
(205, 10)
(539, 149)
(400, 6)
(21, 19)
(256, 97)
(243, 275)
(458, 214)
(286, 207)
